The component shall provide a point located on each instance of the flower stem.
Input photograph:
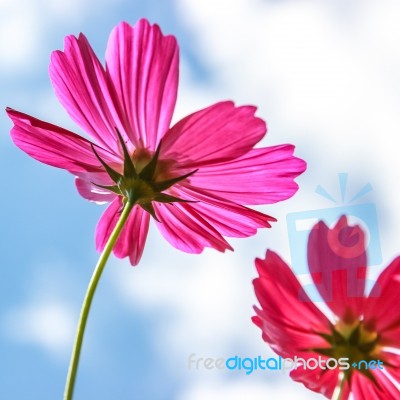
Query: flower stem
(80, 331)
(339, 389)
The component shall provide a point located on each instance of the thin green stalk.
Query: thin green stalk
(80, 331)
(338, 392)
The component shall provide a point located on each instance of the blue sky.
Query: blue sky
(325, 77)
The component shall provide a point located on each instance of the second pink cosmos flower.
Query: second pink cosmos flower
(193, 177)
(362, 329)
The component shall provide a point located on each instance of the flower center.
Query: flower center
(355, 342)
(144, 178)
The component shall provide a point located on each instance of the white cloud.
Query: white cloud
(239, 390)
(19, 34)
(45, 318)
(198, 292)
(48, 325)
(192, 95)
(25, 24)
(65, 9)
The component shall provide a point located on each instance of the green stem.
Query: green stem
(338, 392)
(80, 331)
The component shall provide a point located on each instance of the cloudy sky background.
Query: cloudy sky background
(325, 76)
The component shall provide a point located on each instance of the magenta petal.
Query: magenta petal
(133, 236)
(386, 389)
(282, 301)
(92, 192)
(229, 219)
(81, 86)
(320, 381)
(364, 388)
(382, 313)
(107, 223)
(53, 145)
(391, 364)
(262, 176)
(337, 262)
(143, 66)
(186, 229)
(216, 134)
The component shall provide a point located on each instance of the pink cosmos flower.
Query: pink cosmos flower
(363, 328)
(193, 177)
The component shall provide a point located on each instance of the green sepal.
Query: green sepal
(354, 338)
(140, 188)
(334, 339)
(160, 186)
(129, 168)
(147, 173)
(324, 351)
(150, 209)
(370, 346)
(167, 198)
(111, 188)
(114, 175)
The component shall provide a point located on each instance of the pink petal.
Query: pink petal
(364, 388)
(216, 134)
(107, 223)
(133, 235)
(143, 65)
(186, 229)
(53, 145)
(391, 363)
(382, 313)
(387, 390)
(262, 176)
(282, 301)
(92, 192)
(229, 219)
(319, 380)
(337, 262)
(81, 86)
